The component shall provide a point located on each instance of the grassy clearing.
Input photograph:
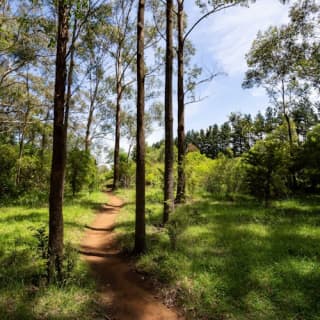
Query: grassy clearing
(235, 260)
(23, 293)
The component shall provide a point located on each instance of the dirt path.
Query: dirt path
(124, 295)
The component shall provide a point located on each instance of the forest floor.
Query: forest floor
(124, 294)
(231, 259)
(216, 259)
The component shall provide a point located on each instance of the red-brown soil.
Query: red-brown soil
(124, 294)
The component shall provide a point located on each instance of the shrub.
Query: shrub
(226, 177)
(267, 166)
(8, 158)
(197, 169)
(81, 171)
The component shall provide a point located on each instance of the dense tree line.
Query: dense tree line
(242, 131)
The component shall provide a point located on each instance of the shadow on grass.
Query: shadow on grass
(32, 216)
(128, 204)
(268, 268)
(244, 260)
(100, 229)
(23, 292)
(25, 295)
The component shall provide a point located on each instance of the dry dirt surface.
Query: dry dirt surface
(124, 294)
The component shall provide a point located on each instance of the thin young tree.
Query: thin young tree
(208, 8)
(122, 50)
(121, 39)
(84, 15)
(169, 157)
(180, 197)
(140, 227)
(55, 246)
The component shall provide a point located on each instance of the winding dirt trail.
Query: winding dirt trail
(124, 294)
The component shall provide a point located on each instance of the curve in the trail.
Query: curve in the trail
(123, 294)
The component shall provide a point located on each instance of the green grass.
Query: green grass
(23, 292)
(235, 260)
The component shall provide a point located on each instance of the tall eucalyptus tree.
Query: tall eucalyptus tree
(121, 39)
(140, 226)
(207, 8)
(169, 156)
(55, 247)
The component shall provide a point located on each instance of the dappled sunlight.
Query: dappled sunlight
(238, 260)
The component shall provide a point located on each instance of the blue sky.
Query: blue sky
(221, 42)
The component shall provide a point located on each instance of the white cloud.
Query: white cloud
(231, 32)
(258, 92)
(156, 135)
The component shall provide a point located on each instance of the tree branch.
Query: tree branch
(214, 10)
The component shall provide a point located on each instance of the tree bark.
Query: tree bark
(169, 157)
(93, 96)
(180, 196)
(55, 246)
(87, 141)
(44, 141)
(23, 131)
(70, 78)
(140, 228)
(293, 179)
(285, 114)
(116, 160)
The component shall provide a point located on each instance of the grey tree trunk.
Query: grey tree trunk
(169, 157)
(140, 227)
(55, 246)
(23, 131)
(180, 196)
(70, 78)
(116, 161)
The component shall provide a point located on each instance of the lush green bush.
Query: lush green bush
(29, 172)
(8, 158)
(155, 166)
(267, 166)
(126, 171)
(310, 161)
(197, 167)
(226, 177)
(81, 171)
(24, 180)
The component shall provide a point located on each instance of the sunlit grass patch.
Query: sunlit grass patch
(23, 290)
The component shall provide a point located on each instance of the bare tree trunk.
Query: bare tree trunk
(180, 197)
(169, 157)
(44, 139)
(87, 141)
(116, 162)
(55, 246)
(140, 227)
(284, 110)
(129, 152)
(89, 119)
(70, 77)
(23, 132)
(287, 119)
(93, 97)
